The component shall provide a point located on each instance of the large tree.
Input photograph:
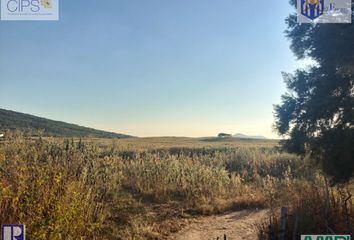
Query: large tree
(317, 111)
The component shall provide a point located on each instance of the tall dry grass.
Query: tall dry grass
(314, 208)
(58, 189)
(171, 178)
(66, 189)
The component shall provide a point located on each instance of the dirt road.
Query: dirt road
(236, 225)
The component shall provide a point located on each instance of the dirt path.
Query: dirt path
(236, 225)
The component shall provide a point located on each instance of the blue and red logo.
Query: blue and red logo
(312, 9)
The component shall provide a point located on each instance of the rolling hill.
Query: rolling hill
(10, 120)
(240, 135)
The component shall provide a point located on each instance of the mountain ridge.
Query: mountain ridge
(12, 120)
(240, 135)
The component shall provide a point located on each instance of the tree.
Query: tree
(317, 111)
(224, 135)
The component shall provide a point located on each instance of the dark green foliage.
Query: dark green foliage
(317, 112)
(224, 135)
(10, 120)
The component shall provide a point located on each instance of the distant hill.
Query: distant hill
(10, 120)
(240, 135)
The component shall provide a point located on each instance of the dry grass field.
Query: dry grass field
(151, 188)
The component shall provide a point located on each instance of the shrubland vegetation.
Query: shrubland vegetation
(148, 188)
(52, 186)
(117, 190)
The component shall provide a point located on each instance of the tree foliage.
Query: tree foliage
(317, 111)
(224, 135)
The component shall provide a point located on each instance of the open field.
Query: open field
(151, 143)
(151, 188)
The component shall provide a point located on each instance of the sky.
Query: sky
(151, 68)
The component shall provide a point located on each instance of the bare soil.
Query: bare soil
(235, 225)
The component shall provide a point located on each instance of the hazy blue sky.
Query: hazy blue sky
(150, 67)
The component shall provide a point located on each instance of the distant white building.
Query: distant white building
(2, 135)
